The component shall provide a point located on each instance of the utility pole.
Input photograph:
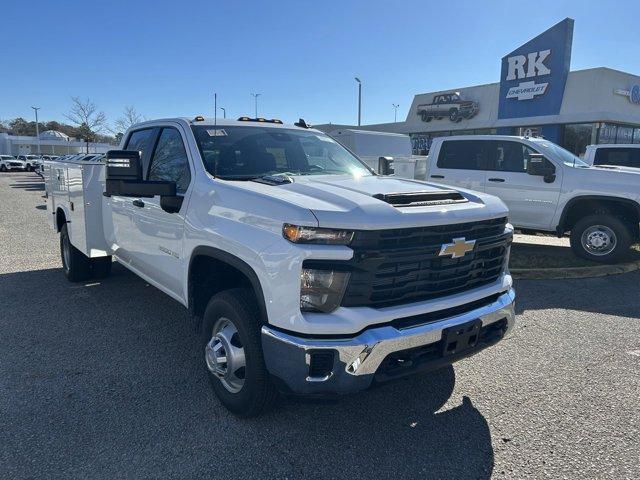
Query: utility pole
(35, 109)
(395, 112)
(255, 96)
(224, 112)
(359, 100)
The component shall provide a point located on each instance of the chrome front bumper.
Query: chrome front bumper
(357, 360)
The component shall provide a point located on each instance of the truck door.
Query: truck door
(532, 202)
(159, 233)
(459, 163)
(117, 219)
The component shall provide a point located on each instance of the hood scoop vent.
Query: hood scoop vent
(274, 179)
(421, 199)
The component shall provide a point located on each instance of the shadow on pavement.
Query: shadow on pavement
(28, 181)
(109, 372)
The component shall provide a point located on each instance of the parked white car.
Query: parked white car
(9, 163)
(621, 156)
(306, 273)
(546, 188)
(33, 162)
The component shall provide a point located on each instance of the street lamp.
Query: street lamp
(35, 109)
(395, 112)
(255, 96)
(359, 99)
(224, 112)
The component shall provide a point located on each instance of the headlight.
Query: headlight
(322, 290)
(322, 236)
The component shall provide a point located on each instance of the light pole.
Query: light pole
(395, 112)
(35, 109)
(224, 112)
(255, 96)
(359, 99)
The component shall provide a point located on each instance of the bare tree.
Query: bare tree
(129, 118)
(85, 115)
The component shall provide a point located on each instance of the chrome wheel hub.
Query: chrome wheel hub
(224, 355)
(599, 240)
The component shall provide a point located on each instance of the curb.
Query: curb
(574, 272)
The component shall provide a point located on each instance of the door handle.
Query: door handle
(496, 180)
(138, 203)
(437, 176)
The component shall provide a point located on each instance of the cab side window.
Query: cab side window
(509, 157)
(140, 141)
(169, 161)
(463, 154)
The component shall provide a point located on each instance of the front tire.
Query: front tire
(76, 265)
(601, 238)
(231, 346)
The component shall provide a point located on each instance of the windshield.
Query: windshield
(245, 153)
(566, 156)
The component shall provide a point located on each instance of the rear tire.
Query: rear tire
(601, 238)
(231, 346)
(3, 168)
(76, 265)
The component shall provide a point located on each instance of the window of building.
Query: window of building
(169, 161)
(576, 137)
(625, 134)
(636, 135)
(607, 133)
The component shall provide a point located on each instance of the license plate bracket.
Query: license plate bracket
(460, 338)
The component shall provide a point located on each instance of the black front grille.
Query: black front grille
(391, 267)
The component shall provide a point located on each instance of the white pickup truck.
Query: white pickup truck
(621, 157)
(546, 189)
(306, 272)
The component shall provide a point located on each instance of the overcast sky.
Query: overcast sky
(166, 58)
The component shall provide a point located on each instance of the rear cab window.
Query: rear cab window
(621, 157)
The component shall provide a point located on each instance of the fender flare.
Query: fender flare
(235, 262)
(573, 201)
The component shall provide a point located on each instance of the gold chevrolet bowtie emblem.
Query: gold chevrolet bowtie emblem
(458, 248)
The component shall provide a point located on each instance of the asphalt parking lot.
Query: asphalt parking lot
(103, 381)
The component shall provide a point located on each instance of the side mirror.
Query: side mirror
(385, 165)
(541, 167)
(124, 177)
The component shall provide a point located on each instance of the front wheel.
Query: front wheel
(232, 349)
(601, 238)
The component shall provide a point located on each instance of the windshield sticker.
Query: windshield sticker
(218, 132)
(325, 138)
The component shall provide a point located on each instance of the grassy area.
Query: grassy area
(525, 255)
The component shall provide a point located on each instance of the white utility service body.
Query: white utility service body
(568, 196)
(398, 293)
(369, 146)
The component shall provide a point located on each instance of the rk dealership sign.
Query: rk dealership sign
(534, 75)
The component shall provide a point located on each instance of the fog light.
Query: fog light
(322, 290)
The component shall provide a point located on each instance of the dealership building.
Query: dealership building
(50, 142)
(537, 95)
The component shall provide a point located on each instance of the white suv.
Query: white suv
(546, 188)
(9, 162)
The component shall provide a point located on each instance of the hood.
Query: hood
(363, 203)
(621, 182)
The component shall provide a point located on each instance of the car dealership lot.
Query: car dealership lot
(100, 380)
